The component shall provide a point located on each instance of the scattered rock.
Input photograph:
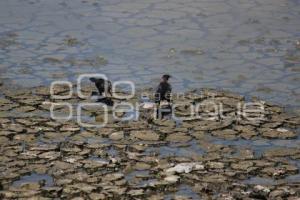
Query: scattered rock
(216, 178)
(142, 166)
(97, 196)
(226, 134)
(136, 192)
(113, 177)
(260, 191)
(117, 135)
(215, 165)
(145, 135)
(243, 165)
(172, 179)
(178, 137)
(139, 158)
(279, 133)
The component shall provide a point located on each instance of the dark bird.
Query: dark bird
(104, 87)
(164, 89)
(163, 93)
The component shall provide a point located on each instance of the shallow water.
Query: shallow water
(292, 179)
(248, 47)
(185, 192)
(34, 178)
(189, 149)
(260, 181)
(260, 145)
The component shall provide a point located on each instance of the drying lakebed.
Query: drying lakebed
(250, 47)
(228, 158)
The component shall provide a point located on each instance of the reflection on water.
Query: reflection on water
(236, 45)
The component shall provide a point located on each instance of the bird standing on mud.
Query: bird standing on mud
(163, 93)
(104, 87)
(164, 89)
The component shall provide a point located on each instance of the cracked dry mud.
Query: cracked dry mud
(230, 158)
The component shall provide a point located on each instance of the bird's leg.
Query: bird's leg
(110, 93)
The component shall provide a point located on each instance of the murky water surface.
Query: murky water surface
(251, 47)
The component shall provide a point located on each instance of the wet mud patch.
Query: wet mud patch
(42, 179)
(183, 192)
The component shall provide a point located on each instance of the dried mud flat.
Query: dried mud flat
(198, 159)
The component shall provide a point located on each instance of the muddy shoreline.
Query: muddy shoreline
(43, 158)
